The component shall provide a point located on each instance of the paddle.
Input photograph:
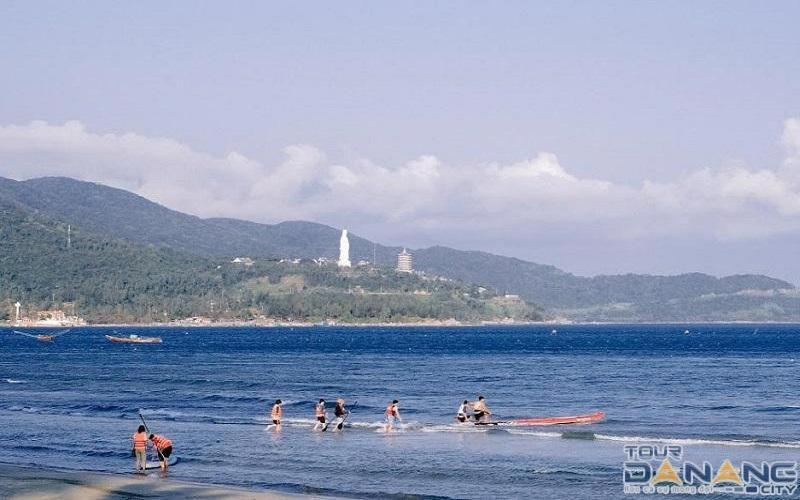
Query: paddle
(339, 426)
(147, 430)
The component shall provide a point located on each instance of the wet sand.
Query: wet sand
(33, 483)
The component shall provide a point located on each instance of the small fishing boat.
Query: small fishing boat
(43, 337)
(134, 339)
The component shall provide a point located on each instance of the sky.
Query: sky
(600, 137)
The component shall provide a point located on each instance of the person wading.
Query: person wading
(339, 412)
(140, 449)
(320, 414)
(392, 415)
(277, 412)
(462, 414)
(163, 448)
(481, 412)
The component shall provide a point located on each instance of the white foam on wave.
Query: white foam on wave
(300, 422)
(163, 413)
(463, 428)
(696, 441)
(26, 409)
(367, 425)
(415, 426)
(664, 440)
(14, 381)
(540, 434)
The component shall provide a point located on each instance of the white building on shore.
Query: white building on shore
(404, 262)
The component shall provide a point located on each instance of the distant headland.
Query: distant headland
(74, 251)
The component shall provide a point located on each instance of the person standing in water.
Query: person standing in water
(320, 414)
(339, 412)
(462, 414)
(140, 449)
(277, 412)
(481, 412)
(392, 415)
(163, 448)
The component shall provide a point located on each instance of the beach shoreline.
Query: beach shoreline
(44, 483)
(422, 324)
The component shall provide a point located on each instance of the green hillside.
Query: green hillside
(118, 214)
(111, 280)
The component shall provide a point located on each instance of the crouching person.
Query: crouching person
(163, 447)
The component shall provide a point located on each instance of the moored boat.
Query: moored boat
(42, 337)
(133, 339)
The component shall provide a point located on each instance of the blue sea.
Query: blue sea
(719, 391)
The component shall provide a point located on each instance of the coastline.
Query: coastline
(409, 324)
(41, 483)
(294, 324)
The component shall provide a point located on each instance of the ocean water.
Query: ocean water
(722, 391)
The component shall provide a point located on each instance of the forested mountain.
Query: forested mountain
(111, 280)
(39, 269)
(123, 215)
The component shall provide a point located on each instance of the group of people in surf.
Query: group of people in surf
(481, 414)
(160, 444)
(340, 413)
(476, 412)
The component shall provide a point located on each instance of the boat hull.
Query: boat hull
(589, 418)
(128, 340)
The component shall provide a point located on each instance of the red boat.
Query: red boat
(589, 418)
(134, 339)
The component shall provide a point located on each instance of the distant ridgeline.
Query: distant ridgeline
(134, 260)
(107, 279)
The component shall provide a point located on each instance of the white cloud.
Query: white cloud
(492, 199)
(791, 143)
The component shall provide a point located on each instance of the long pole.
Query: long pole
(144, 423)
(147, 429)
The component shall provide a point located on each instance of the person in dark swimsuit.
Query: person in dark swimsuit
(480, 412)
(320, 414)
(339, 412)
(277, 412)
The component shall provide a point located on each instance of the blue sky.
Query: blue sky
(597, 136)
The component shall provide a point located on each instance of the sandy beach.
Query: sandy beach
(32, 483)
